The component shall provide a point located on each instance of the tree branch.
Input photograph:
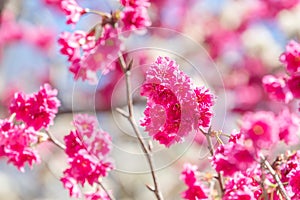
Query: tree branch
(276, 177)
(134, 125)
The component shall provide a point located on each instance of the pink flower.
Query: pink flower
(289, 127)
(195, 189)
(135, 3)
(277, 88)
(72, 10)
(70, 184)
(87, 148)
(171, 89)
(16, 143)
(205, 103)
(241, 187)
(98, 194)
(228, 156)
(291, 57)
(134, 18)
(261, 128)
(37, 110)
(294, 85)
(294, 182)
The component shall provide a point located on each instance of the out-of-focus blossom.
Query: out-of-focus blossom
(135, 18)
(294, 85)
(291, 57)
(289, 125)
(72, 10)
(261, 129)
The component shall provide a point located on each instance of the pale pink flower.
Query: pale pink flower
(72, 10)
(260, 128)
(291, 57)
(98, 194)
(167, 86)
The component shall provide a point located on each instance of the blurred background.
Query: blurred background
(226, 45)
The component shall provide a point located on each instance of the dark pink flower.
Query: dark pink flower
(16, 143)
(72, 10)
(294, 182)
(294, 85)
(205, 102)
(135, 3)
(195, 189)
(135, 18)
(291, 57)
(228, 156)
(261, 129)
(172, 90)
(37, 110)
(277, 88)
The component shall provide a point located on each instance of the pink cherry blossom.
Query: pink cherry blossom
(170, 88)
(291, 57)
(228, 156)
(16, 143)
(135, 3)
(72, 10)
(70, 184)
(37, 110)
(261, 129)
(195, 189)
(294, 85)
(289, 125)
(134, 18)
(277, 88)
(98, 194)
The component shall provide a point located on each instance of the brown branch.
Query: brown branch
(134, 125)
(276, 177)
(211, 149)
(55, 141)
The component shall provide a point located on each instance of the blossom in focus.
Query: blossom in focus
(227, 158)
(195, 189)
(99, 194)
(16, 143)
(291, 57)
(170, 90)
(260, 128)
(87, 148)
(72, 10)
(38, 109)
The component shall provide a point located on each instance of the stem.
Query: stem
(276, 177)
(212, 153)
(134, 125)
(262, 185)
(102, 14)
(55, 141)
(105, 190)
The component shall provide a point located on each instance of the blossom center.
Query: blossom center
(258, 130)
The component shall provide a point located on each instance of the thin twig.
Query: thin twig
(133, 123)
(55, 141)
(105, 190)
(262, 184)
(212, 153)
(276, 177)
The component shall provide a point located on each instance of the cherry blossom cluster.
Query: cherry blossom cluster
(97, 49)
(87, 148)
(175, 106)
(29, 114)
(286, 87)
